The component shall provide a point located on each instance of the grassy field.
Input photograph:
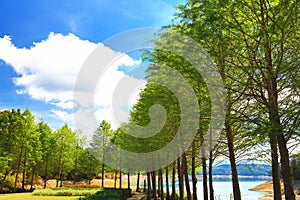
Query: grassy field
(76, 191)
(29, 196)
(71, 194)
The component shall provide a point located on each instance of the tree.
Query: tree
(8, 126)
(88, 166)
(269, 59)
(255, 42)
(65, 144)
(99, 141)
(47, 141)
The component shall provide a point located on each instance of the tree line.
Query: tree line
(29, 149)
(254, 47)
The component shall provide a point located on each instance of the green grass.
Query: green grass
(71, 194)
(29, 196)
(66, 192)
(109, 194)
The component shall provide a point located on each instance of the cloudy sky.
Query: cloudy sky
(43, 45)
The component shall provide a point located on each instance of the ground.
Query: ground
(28, 196)
(267, 187)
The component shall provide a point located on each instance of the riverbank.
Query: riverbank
(267, 188)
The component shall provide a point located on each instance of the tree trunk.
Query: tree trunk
(59, 167)
(153, 175)
(158, 184)
(24, 174)
(102, 175)
(235, 179)
(210, 167)
(46, 172)
(76, 162)
(128, 180)
(61, 180)
(174, 181)
(149, 186)
(57, 182)
(286, 169)
(180, 180)
(18, 168)
(273, 135)
(32, 178)
(138, 182)
(194, 178)
(204, 173)
(115, 182)
(186, 176)
(120, 179)
(161, 185)
(75, 173)
(275, 168)
(167, 184)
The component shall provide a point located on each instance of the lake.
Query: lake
(223, 188)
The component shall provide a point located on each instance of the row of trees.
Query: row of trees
(30, 149)
(254, 45)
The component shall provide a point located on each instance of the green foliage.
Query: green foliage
(31, 147)
(65, 140)
(66, 192)
(88, 166)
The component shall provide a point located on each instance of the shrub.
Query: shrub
(65, 192)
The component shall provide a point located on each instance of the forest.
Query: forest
(254, 46)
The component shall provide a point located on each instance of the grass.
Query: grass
(66, 192)
(71, 194)
(109, 194)
(29, 196)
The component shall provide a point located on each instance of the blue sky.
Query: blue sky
(42, 42)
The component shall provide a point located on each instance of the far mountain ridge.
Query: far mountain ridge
(244, 169)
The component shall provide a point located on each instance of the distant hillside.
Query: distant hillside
(244, 169)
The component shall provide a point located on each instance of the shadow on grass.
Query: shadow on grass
(109, 194)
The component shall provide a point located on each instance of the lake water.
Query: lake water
(223, 189)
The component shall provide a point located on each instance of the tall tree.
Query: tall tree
(65, 144)
(9, 122)
(98, 143)
(47, 145)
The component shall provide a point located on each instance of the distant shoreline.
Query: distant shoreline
(241, 178)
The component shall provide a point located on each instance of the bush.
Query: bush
(87, 193)
(66, 192)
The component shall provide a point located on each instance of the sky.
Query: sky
(43, 45)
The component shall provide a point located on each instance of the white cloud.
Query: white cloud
(64, 105)
(64, 116)
(49, 70)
